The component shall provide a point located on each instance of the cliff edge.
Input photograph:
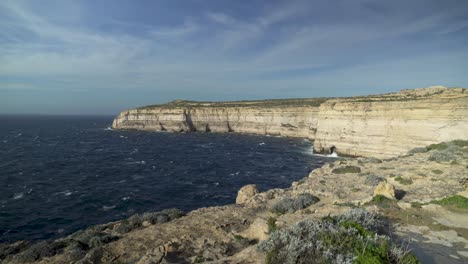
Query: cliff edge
(380, 126)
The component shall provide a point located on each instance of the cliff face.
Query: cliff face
(379, 126)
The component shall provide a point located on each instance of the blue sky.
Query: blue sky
(101, 57)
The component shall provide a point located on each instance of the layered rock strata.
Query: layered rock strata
(373, 126)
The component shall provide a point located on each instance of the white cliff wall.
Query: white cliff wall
(378, 126)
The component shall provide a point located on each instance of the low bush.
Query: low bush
(373, 180)
(460, 143)
(404, 181)
(290, 205)
(343, 239)
(136, 221)
(11, 249)
(346, 169)
(41, 250)
(437, 171)
(417, 150)
(443, 156)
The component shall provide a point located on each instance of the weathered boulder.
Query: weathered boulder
(385, 189)
(258, 230)
(245, 193)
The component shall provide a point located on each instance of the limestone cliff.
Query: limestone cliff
(380, 126)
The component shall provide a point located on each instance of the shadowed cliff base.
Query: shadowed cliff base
(394, 122)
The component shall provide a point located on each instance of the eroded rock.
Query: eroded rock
(385, 189)
(246, 193)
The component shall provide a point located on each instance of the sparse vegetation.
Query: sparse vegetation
(455, 201)
(255, 103)
(346, 169)
(437, 172)
(404, 181)
(355, 237)
(290, 205)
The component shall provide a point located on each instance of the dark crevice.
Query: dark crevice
(188, 120)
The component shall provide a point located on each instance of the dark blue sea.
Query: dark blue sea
(59, 174)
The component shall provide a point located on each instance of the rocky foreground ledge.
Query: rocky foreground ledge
(362, 210)
(381, 126)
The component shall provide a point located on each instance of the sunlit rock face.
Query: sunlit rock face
(377, 125)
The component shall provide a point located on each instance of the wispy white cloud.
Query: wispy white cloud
(282, 45)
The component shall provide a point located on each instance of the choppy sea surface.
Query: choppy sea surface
(59, 174)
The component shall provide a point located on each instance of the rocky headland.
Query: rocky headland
(411, 200)
(380, 126)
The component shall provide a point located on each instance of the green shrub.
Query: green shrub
(343, 239)
(404, 181)
(291, 205)
(346, 169)
(437, 171)
(456, 201)
(440, 146)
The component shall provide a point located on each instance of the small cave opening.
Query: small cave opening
(207, 128)
(332, 149)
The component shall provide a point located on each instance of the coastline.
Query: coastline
(229, 234)
(380, 126)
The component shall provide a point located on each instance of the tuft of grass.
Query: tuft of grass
(290, 205)
(346, 169)
(437, 171)
(243, 241)
(416, 204)
(456, 201)
(386, 168)
(404, 181)
(382, 201)
(272, 227)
